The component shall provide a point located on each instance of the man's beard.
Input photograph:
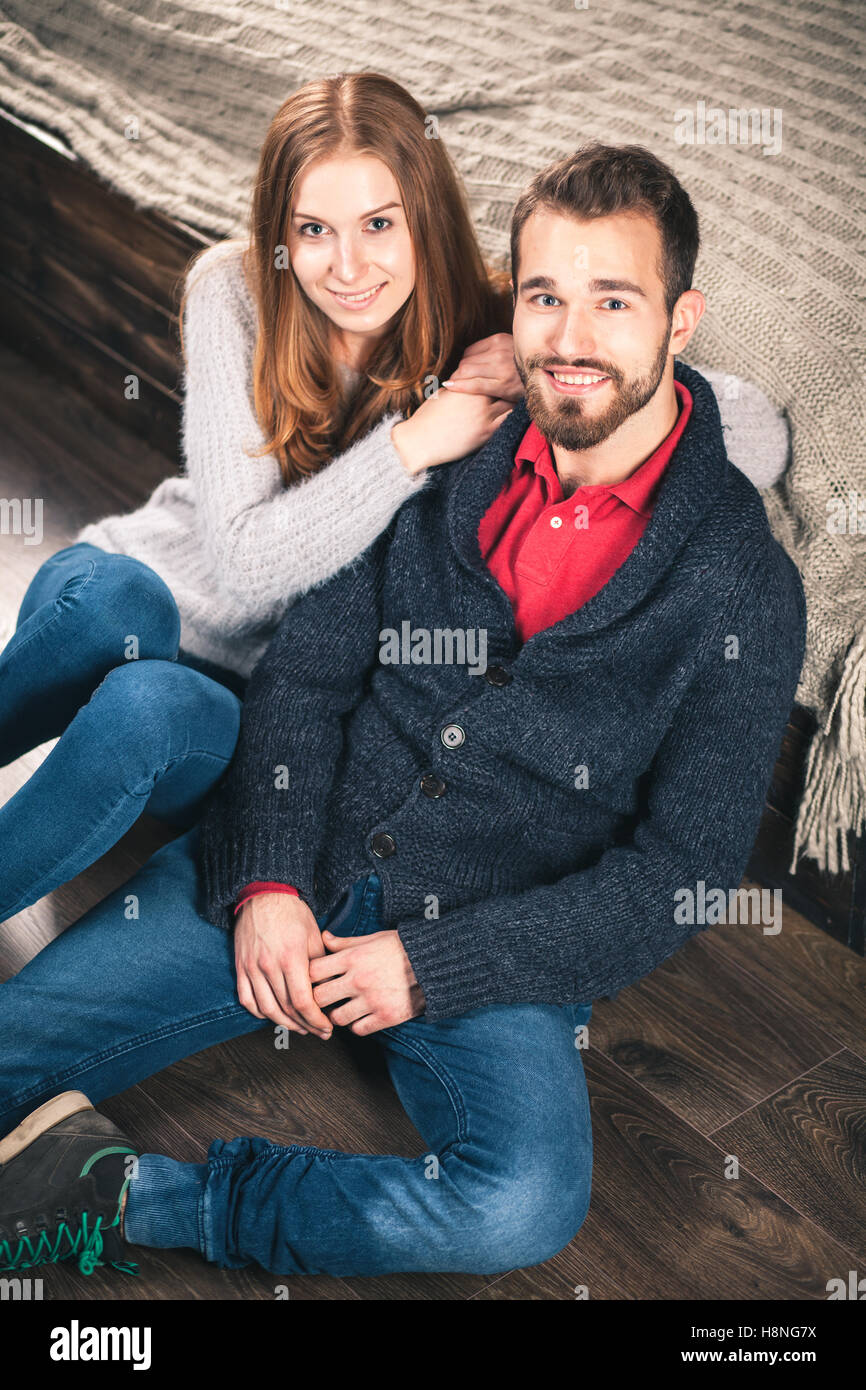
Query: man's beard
(567, 424)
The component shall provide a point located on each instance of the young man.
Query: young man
(477, 771)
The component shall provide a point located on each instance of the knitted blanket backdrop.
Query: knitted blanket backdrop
(169, 104)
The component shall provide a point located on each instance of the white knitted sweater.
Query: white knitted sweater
(231, 541)
(234, 545)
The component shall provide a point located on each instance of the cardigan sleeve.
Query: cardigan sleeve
(267, 542)
(264, 821)
(604, 927)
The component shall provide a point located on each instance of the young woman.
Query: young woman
(311, 357)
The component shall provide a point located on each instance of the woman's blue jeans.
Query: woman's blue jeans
(94, 663)
(497, 1094)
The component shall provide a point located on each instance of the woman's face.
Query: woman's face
(350, 247)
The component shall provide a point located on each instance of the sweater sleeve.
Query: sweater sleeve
(264, 821)
(267, 542)
(756, 433)
(599, 929)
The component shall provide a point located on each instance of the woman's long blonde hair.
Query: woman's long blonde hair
(298, 396)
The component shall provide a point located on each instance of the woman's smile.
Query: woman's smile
(360, 299)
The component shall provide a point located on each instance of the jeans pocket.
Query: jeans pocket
(339, 914)
(370, 909)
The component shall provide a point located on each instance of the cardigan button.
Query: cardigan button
(452, 735)
(497, 675)
(432, 786)
(383, 845)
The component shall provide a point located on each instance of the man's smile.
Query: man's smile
(568, 381)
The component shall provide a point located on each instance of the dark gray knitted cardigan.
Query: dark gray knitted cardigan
(612, 764)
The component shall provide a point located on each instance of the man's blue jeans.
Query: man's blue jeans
(497, 1094)
(152, 733)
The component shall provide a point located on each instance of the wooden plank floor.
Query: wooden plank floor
(744, 1048)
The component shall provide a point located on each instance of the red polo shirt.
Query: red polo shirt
(551, 553)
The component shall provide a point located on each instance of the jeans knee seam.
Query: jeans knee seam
(440, 1072)
(190, 753)
(55, 614)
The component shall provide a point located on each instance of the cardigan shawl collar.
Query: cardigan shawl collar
(693, 479)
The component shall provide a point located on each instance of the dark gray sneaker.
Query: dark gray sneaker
(63, 1173)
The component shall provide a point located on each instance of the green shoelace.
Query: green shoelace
(85, 1246)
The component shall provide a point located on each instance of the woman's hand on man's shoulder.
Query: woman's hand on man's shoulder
(449, 425)
(487, 367)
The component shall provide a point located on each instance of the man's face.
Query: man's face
(591, 330)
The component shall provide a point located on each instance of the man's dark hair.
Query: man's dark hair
(603, 179)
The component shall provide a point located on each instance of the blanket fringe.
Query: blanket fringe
(834, 796)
